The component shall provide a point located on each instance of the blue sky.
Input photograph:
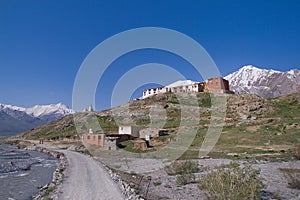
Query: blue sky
(44, 42)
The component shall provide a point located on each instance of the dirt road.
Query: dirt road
(86, 180)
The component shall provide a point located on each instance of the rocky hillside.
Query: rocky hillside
(253, 124)
(240, 109)
(265, 83)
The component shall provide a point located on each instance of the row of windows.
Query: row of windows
(94, 137)
(182, 88)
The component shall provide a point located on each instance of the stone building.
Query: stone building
(216, 85)
(94, 139)
(106, 141)
(133, 131)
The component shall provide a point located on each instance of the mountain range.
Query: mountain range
(265, 83)
(14, 119)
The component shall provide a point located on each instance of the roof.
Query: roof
(181, 83)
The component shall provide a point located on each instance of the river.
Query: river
(22, 172)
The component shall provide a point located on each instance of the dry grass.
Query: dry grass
(184, 171)
(232, 182)
(182, 167)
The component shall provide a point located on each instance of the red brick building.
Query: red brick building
(94, 139)
(216, 85)
(105, 141)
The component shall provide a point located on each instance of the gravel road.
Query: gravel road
(86, 179)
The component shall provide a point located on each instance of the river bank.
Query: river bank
(46, 189)
(49, 191)
(23, 171)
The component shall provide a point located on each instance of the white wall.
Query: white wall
(130, 130)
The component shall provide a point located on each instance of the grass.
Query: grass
(107, 123)
(246, 143)
(184, 171)
(180, 167)
(232, 182)
(128, 146)
(286, 107)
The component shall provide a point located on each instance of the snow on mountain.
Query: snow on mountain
(263, 82)
(39, 110)
(14, 119)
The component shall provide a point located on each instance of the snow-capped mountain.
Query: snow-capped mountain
(14, 119)
(263, 82)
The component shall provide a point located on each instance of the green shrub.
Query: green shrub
(232, 182)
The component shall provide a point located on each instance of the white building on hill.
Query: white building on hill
(217, 84)
(177, 87)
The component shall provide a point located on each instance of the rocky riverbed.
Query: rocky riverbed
(23, 171)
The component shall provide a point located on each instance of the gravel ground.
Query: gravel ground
(275, 181)
(164, 186)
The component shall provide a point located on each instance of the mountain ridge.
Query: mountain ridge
(14, 119)
(263, 82)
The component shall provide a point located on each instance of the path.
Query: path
(86, 180)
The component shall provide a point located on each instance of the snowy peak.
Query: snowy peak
(248, 74)
(23, 119)
(263, 82)
(4, 106)
(39, 110)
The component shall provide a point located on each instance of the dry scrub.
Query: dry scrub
(232, 182)
(184, 171)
